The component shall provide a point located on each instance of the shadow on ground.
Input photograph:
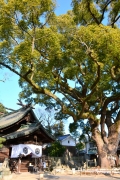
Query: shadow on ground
(49, 177)
(112, 176)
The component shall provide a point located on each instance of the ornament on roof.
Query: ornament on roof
(24, 105)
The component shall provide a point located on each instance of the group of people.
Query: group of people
(40, 165)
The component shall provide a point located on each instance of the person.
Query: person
(13, 166)
(40, 165)
(44, 165)
(19, 165)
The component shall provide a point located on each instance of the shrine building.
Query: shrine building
(24, 135)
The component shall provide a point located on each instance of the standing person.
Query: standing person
(19, 162)
(40, 164)
(19, 165)
(44, 164)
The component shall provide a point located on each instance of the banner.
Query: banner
(26, 149)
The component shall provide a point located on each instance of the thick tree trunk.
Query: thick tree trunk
(106, 156)
(106, 151)
(104, 162)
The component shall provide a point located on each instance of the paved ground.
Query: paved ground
(29, 176)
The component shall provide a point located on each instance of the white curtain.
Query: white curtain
(26, 149)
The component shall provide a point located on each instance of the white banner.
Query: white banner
(26, 149)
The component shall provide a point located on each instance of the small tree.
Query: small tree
(56, 149)
(80, 146)
(47, 118)
(58, 128)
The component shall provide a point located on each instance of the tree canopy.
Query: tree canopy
(81, 131)
(70, 62)
(55, 150)
(97, 12)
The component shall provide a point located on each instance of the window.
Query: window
(92, 145)
(68, 142)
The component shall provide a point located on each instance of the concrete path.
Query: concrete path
(29, 176)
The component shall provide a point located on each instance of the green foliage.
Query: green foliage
(73, 126)
(58, 129)
(56, 149)
(1, 141)
(2, 109)
(80, 146)
(95, 11)
(82, 126)
(82, 132)
(74, 129)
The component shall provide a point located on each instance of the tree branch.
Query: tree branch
(92, 14)
(115, 20)
(104, 111)
(103, 12)
(11, 69)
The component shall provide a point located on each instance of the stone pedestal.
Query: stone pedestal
(41, 176)
(73, 171)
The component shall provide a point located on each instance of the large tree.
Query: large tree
(71, 62)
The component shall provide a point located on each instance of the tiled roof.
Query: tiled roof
(14, 117)
(60, 138)
(25, 130)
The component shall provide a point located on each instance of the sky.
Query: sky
(9, 89)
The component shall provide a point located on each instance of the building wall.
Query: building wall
(90, 145)
(69, 141)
